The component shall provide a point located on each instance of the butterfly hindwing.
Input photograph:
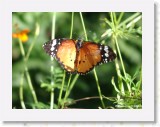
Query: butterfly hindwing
(88, 57)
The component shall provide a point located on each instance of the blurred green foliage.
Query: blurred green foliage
(39, 62)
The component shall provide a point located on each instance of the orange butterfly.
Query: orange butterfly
(77, 55)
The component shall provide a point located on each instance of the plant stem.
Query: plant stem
(70, 87)
(71, 31)
(99, 90)
(119, 53)
(34, 41)
(119, 78)
(60, 94)
(53, 25)
(112, 21)
(83, 26)
(21, 92)
(27, 74)
(72, 25)
(95, 74)
(30, 85)
(21, 49)
(67, 91)
(134, 21)
(73, 82)
(120, 17)
(25, 58)
(129, 19)
(115, 18)
(52, 67)
(76, 77)
(121, 87)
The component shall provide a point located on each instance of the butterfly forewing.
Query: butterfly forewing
(64, 51)
(66, 54)
(50, 47)
(107, 54)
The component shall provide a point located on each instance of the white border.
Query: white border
(9, 6)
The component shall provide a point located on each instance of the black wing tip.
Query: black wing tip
(112, 55)
(107, 54)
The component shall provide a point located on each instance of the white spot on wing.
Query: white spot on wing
(100, 47)
(52, 48)
(106, 49)
(106, 54)
(54, 42)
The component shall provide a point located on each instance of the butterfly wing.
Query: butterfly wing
(91, 54)
(78, 57)
(107, 54)
(64, 51)
(88, 56)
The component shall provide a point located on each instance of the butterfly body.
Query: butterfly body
(77, 56)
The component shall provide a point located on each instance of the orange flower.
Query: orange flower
(22, 35)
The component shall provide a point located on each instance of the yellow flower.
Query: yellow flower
(22, 35)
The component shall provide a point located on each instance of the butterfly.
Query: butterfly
(78, 56)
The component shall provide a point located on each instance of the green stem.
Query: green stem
(96, 78)
(22, 49)
(26, 73)
(134, 21)
(83, 25)
(52, 67)
(112, 21)
(73, 82)
(30, 85)
(119, 53)
(123, 68)
(120, 17)
(111, 15)
(67, 91)
(72, 25)
(25, 58)
(115, 18)
(34, 41)
(118, 70)
(52, 84)
(129, 19)
(21, 92)
(99, 90)
(70, 87)
(114, 27)
(71, 31)
(60, 94)
(53, 25)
